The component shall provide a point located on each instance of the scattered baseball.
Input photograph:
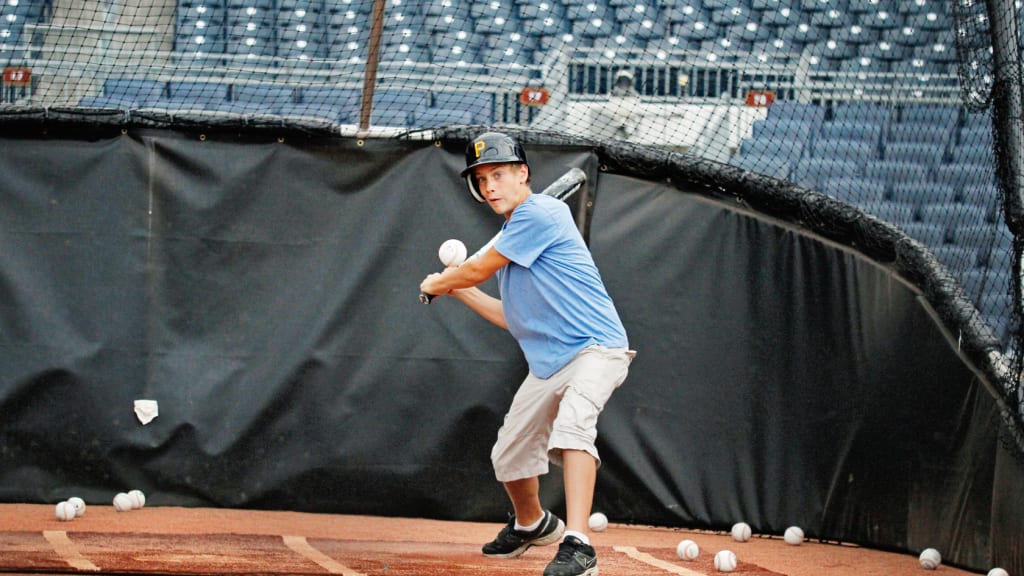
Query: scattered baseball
(452, 252)
(687, 550)
(998, 572)
(741, 532)
(123, 502)
(794, 536)
(138, 499)
(65, 511)
(598, 522)
(725, 561)
(79, 505)
(930, 559)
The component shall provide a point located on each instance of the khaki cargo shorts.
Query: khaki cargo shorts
(558, 413)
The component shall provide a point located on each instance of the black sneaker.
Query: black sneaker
(574, 558)
(511, 542)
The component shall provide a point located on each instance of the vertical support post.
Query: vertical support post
(372, 58)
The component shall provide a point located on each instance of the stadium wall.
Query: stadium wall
(261, 287)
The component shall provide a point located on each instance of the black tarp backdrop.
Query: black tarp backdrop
(264, 293)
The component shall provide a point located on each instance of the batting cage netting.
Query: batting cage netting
(877, 123)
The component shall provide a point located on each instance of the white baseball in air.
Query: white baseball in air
(687, 550)
(930, 559)
(998, 572)
(452, 252)
(65, 511)
(741, 532)
(725, 561)
(598, 522)
(79, 505)
(138, 499)
(794, 536)
(123, 502)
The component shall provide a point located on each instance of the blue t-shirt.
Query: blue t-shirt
(552, 295)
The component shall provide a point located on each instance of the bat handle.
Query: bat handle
(426, 298)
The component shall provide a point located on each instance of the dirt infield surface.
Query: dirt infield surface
(169, 540)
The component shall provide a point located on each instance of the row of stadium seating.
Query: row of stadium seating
(392, 107)
(510, 32)
(14, 15)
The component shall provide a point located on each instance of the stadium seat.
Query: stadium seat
(399, 99)
(274, 97)
(918, 132)
(930, 20)
(731, 15)
(952, 213)
(862, 112)
(928, 233)
(855, 34)
(955, 258)
(337, 105)
(852, 130)
(922, 192)
(138, 91)
(812, 172)
(973, 153)
(883, 50)
(934, 114)
(801, 32)
(979, 281)
(436, 117)
(894, 213)
(844, 149)
(480, 105)
(961, 176)
(770, 165)
(854, 191)
(786, 147)
(893, 172)
(832, 19)
(976, 134)
(791, 110)
(193, 96)
(928, 153)
(882, 17)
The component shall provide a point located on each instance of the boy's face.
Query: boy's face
(503, 186)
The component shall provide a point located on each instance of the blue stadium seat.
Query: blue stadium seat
(832, 18)
(541, 9)
(436, 117)
(955, 258)
(813, 172)
(928, 233)
(930, 20)
(935, 114)
(892, 172)
(937, 51)
(480, 105)
(883, 50)
(792, 5)
(791, 110)
(855, 34)
(862, 112)
(801, 33)
(637, 11)
(928, 153)
(770, 165)
(921, 192)
(854, 191)
(193, 96)
(852, 130)
(139, 91)
(961, 176)
(923, 70)
(731, 15)
(402, 99)
(784, 129)
(337, 105)
(844, 149)
(272, 97)
(881, 18)
(587, 11)
(973, 153)
(490, 9)
(953, 213)
(918, 132)
(645, 29)
(977, 282)
(895, 213)
(787, 147)
(822, 5)
(976, 134)
(908, 36)
(391, 118)
(874, 70)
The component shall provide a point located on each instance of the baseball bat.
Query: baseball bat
(563, 188)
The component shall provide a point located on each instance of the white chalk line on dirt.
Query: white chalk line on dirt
(67, 550)
(652, 561)
(300, 546)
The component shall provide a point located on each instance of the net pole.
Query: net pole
(372, 58)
